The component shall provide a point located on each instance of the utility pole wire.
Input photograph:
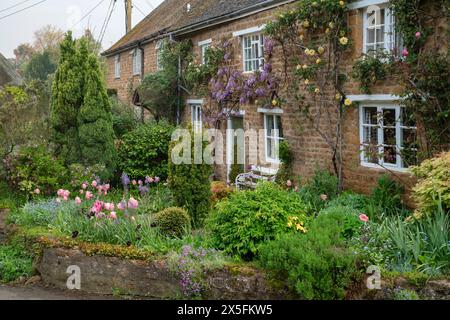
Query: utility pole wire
(135, 6)
(18, 11)
(106, 18)
(107, 22)
(14, 5)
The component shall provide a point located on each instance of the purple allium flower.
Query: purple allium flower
(125, 179)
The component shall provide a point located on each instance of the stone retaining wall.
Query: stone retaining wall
(103, 275)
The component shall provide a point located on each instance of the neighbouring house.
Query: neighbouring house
(206, 22)
(8, 74)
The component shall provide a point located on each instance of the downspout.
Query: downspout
(179, 95)
(142, 78)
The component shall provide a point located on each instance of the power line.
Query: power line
(107, 22)
(90, 11)
(106, 18)
(15, 12)
(142, 12)
(14, 5)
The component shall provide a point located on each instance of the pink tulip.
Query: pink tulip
(84, 186)
(65, 198)
(133, 203)
(134, 182)
(418, 35)
(121, 205)
(89, 195)
(289, 183)
(37, 191)
(140, 182)
(94, 183)
(363, 217)
(151, 180)
(113, 215)
(157, 179)
(78, 200)
(60, 192)
(405, 52)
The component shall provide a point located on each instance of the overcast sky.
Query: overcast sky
(19, 28)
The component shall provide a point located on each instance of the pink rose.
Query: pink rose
(78, 200)
(363, 217)
(94, 183)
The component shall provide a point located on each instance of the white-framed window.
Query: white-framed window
(117, 66)
(273, 135)
(196, 116)
(388, 136)
(379, 29)
(204, 46)
(159, 52)
(253, 52)
(137, 61)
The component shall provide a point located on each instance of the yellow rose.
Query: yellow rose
(343, 41)
(338, 96)
(274, 102)
(341, 3)
(318, 61)
(348, 102)
(306, 81)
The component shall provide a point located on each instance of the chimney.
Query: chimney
(128, 12)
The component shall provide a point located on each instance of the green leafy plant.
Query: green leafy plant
(370, 69)
(322, 187)
(173, 222)
(240, 224)
(350, 217)
(36, 168)
(433, 187)
(123, 117)
(156, 200)
(220, 191)
(16, 260)
(316, 265)
(190, 185)
(144, 150)
(386, 199)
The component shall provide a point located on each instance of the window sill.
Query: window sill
(383, 168)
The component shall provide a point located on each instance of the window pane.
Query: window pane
(390, 155)
(370, 116)
(371, 153)
(279, 126)
(389, 136)
(370, 35)
(407, 119)
(270, 125)
(389, 118)
(370, 135)
(380, 34)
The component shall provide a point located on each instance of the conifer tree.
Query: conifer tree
(96, 134)
(67, 97)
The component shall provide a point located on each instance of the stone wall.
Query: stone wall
(103, 275)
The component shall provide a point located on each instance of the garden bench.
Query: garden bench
(249, 180)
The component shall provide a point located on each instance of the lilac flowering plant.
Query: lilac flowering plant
(191, 266)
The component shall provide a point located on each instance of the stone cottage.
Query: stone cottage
(206, 22)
